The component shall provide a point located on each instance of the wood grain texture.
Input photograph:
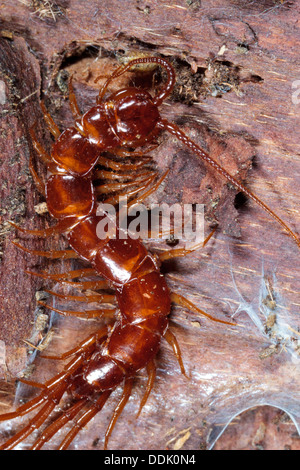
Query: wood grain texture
(237, 64)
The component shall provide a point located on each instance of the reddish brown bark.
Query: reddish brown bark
(236, 63)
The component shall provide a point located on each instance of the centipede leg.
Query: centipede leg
(60, 378)
(35, 423)
(62, 226)
(143, 196)
(183, 302)
(97, 337)
(84, 285)
(32, 383)
(96, 297)
(119, 408)
(121, 166)
(77, 284)
(84, 419)
(77, 273)
(97, 313)
(38, 147)
(108, 188)
(25, 408)
(136, 153)
(54, 427)
(73, 101)
(115, 199)
(50, 122)
(171, 339)
(177, 132)
(53, 254)
(53, 392)
(151, 370)
(37, 180)
(181, 252)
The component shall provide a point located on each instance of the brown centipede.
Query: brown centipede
(124, 124)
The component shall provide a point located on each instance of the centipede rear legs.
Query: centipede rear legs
(52, 393)
(54, 389)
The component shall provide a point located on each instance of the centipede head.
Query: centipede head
(132, 115)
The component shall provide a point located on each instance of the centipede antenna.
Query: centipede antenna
(174, 130)
(33, 424)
